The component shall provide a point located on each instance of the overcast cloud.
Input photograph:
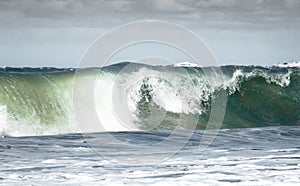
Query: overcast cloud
(56, 32)
(89, 13)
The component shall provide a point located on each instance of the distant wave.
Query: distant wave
(39, 101)
(295, 64)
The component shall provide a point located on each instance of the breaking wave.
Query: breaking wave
(39, 101)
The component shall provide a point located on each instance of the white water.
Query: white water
(186, 64)
(260, 156)
(290, 64)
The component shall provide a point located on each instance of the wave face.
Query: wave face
(39, 101)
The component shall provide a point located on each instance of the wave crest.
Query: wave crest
(37, 102)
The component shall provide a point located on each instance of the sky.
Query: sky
(56, 33)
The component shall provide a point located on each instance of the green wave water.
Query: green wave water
(38, 101)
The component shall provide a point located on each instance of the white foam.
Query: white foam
(12, 127)
(233, 84)
(49, 161)
(3, 120)
(289, 64)
(186, 64)
(173, 92)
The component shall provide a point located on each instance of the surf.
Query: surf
(40, 101)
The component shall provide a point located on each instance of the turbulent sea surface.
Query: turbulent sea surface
(260, 156)
(49, 134)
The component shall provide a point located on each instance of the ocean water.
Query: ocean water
(257, 156)
(133, 124)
